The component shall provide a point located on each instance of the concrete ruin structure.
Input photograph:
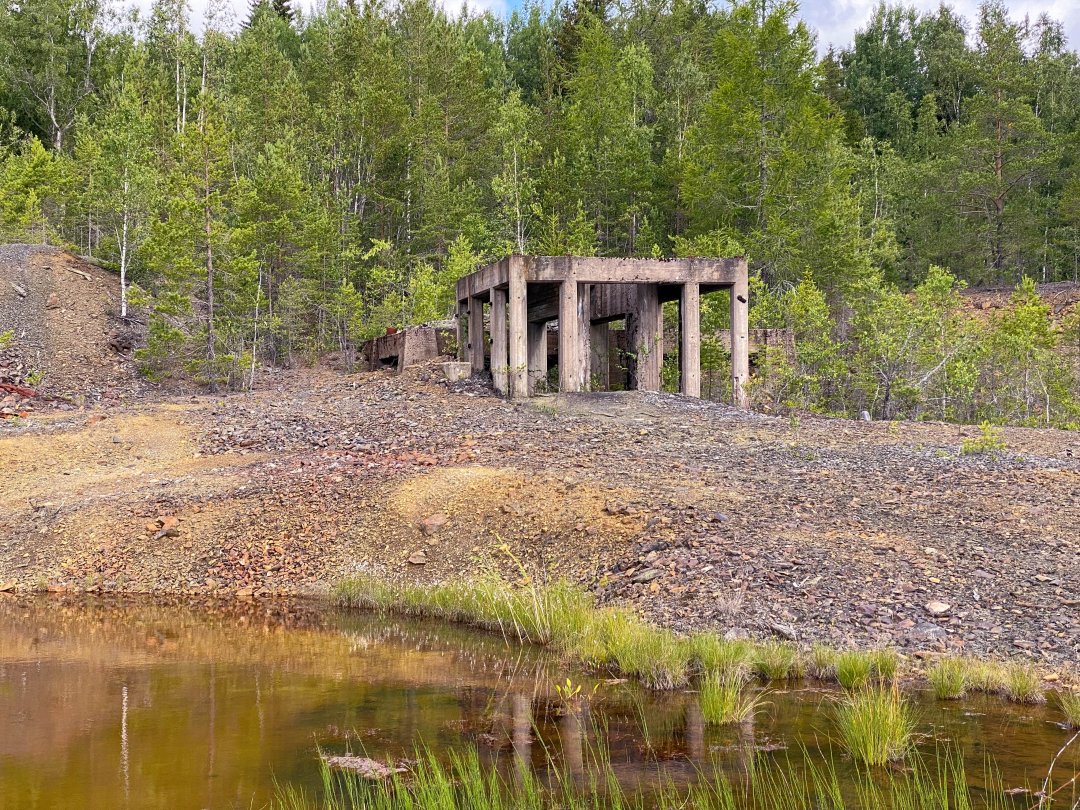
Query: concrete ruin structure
(399, 349)
(524, 294)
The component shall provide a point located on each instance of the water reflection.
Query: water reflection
(114, 703)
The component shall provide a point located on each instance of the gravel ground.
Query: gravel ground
(697, 514)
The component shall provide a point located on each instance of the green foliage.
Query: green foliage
(293, 187)
(990, 441)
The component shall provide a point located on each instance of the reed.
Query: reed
(1069, 702)
(949, 678)
(1023, 685)
(776, 661)
(875, 724)
(460, 781)
(726, 699)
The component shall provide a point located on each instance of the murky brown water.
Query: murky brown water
(136, 704)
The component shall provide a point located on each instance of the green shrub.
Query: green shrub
(990, 441)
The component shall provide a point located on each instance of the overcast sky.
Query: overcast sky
(834, 20)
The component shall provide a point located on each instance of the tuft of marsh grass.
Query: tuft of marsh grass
(1068, 701)
(1023, 685)
(949, 678)
(714, 655)
(985, 676)
(885, 664)
(776, 661)
(854, 669)
(875, 724)
(822, 662)
(726, 699)
(656, 657)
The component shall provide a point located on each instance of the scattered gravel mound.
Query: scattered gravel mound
(68, 342)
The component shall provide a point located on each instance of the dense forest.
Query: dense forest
(278, 187)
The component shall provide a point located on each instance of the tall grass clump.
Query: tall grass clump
(776, 661)
(875, 724)
(657, 658)
(987, 677)
(949, 678)
(727, 700)
(713, 655)
(822, 662)
(1069, 703)
(885, 664)
(1023, 685)
(854, 669)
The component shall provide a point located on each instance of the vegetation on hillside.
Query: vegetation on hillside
(291, 183)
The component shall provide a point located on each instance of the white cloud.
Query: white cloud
(837, 20)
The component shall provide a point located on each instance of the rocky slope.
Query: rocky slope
(699, 515)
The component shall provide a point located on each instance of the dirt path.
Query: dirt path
(698, 514)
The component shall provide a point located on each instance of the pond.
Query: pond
(125, 703)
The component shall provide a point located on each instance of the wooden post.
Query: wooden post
(599, 359)
(690, 340)
(647, 338)
(538, 357)
(740, 342)
(476, 334)
(571, 366)
(499, 349)
(519, 345)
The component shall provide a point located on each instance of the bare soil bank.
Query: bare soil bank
(699, 515)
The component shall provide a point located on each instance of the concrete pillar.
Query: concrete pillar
(460, 316)
(690, 340)
(476, 334)
(599, 356)
(573, 351)
(538, 357)
(499, 350)
(519, 328)
(740, 342)
(647, 338)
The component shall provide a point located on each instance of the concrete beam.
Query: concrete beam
(690, 341)
(598, 270)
